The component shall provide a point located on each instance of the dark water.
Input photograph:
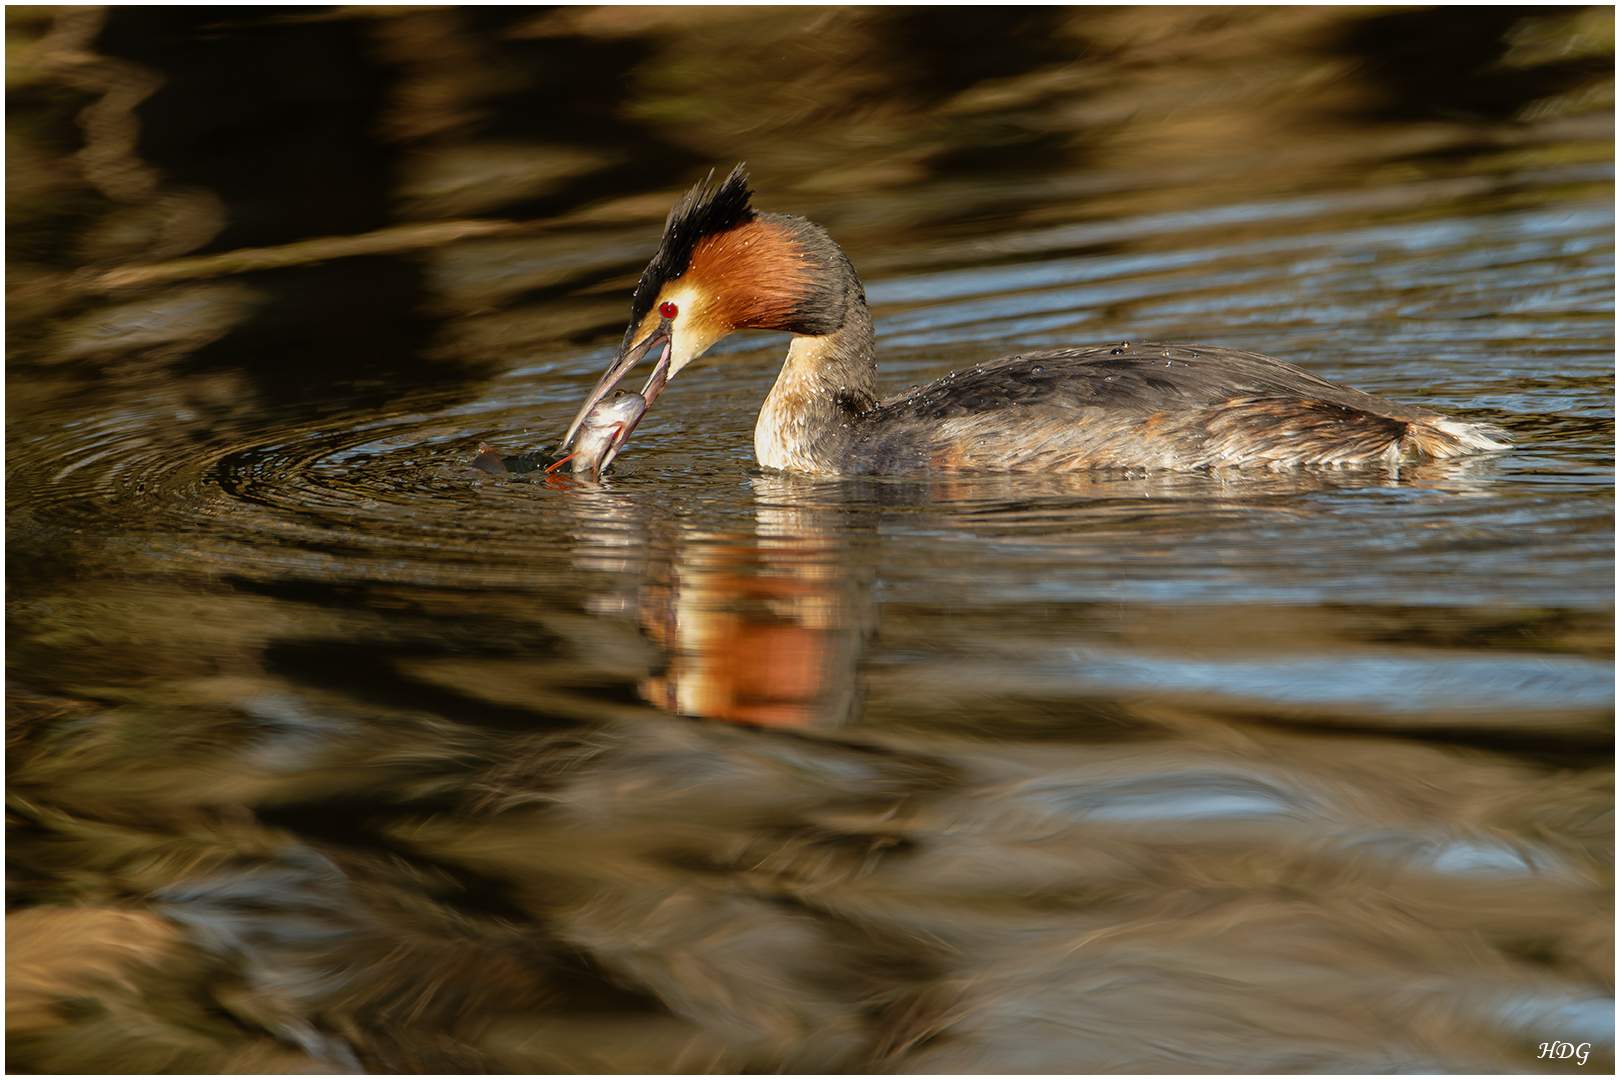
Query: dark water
(328, 753)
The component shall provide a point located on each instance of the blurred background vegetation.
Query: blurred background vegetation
(138, 134)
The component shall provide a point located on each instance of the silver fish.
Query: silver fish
(604, 431)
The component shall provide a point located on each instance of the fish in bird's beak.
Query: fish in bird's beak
(629, 356)
(603, 432)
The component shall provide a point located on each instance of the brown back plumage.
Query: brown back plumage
(1159, 406)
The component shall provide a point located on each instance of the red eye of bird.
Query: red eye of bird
(668, 310)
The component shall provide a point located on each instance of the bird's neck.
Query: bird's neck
(827, 380)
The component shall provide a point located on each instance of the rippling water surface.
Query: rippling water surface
(330, 752)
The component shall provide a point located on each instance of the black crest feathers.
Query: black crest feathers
(704, 211)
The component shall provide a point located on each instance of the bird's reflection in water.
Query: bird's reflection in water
(768, 627)
(761, 628)
(755, 634)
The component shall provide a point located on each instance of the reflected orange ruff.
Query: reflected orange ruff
(746, 672)
(766, 667)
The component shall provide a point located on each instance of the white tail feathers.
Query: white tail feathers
(1444, 438)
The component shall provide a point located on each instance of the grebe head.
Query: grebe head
(723, 266)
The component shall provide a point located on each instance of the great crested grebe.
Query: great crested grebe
(723, 266)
